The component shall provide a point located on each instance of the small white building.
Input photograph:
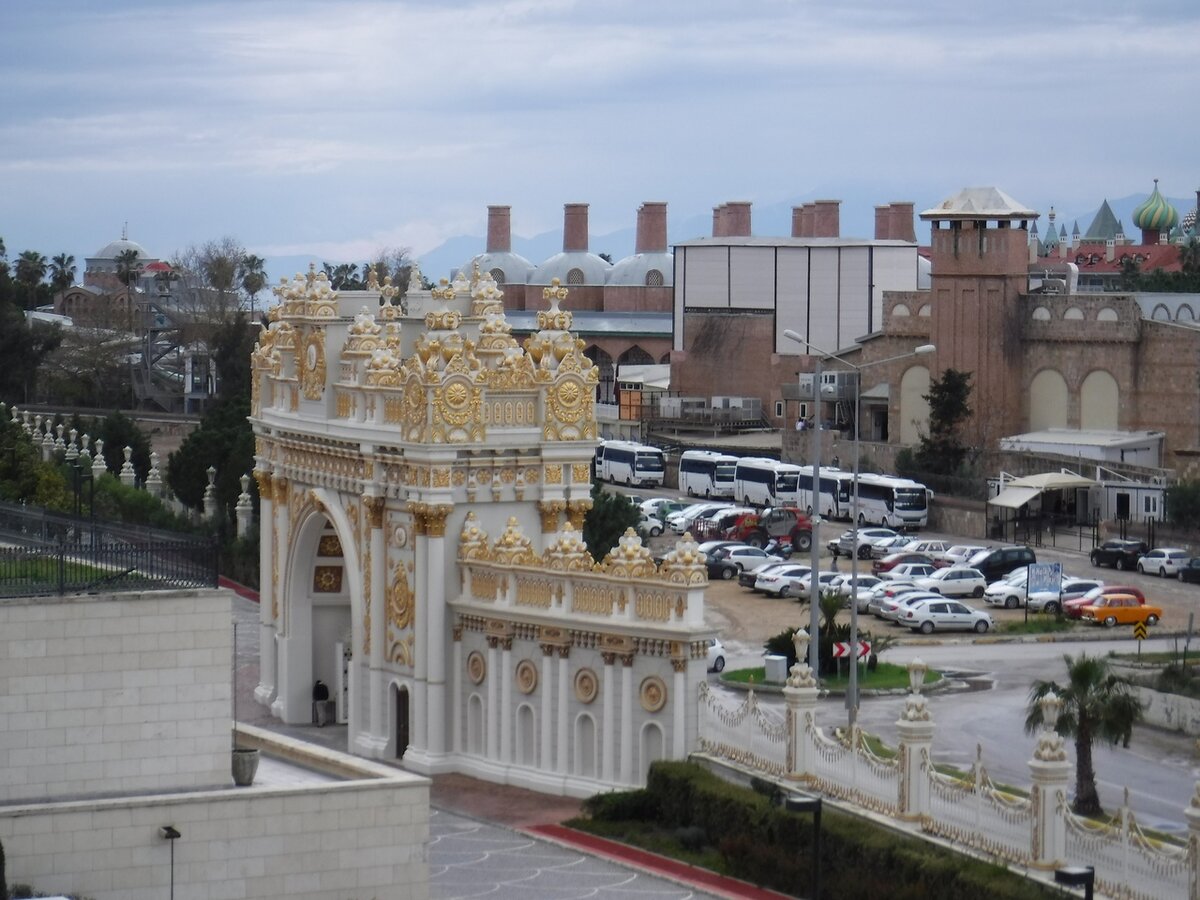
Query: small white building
(1142, 448)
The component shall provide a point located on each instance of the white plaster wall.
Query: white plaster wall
(1170, 711)
(360, 840)
(114, 694)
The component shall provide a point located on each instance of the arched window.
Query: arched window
(654, 278)
(925, 311)
(1073, 313)
(575, 276)
(1041, 314)
(635, 356)
(1161, 314)
(1185, 314)
(498, 275)
(1099, 402)
(475, 724)
(526, 749)
(583, 763)
(606, 389)
(1047, 401)
(1108, 314)
(652, 746)
(900, 310)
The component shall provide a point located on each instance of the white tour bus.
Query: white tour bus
(765, 482)
(706, 473)
(828, 503)
(627, 462)
(887, 500)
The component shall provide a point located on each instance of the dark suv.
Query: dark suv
(1120, 555)
(996, 562)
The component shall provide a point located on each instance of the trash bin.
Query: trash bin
(776, 667)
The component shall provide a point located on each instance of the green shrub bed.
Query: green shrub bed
(755, 840)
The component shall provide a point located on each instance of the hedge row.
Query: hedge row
(765, 845)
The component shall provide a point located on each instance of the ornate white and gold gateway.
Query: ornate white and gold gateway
(423, 481)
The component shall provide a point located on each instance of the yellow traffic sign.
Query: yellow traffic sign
(1139, 630)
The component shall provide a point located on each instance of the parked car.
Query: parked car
(856, 589)
(1191, 572)
(1073, 609)
(712, 546)
(729, 562)
(908, 571)
(710, 523)
(956, 581)
(1163, 561)
(997, 562)
(885, 602)
(896, 609)
(1010, 591)
(824, 582)
(892, 560)
(1120, 609)
(1072, 589)
(652, 525)
(749, 577)
(681, 521)
(884, 546)
(956, 555)
(781, 581)
(866, 536)
(716, 656)
(941, 614)
(924, 545)
(1121, 555)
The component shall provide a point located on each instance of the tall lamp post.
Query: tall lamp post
(924, 349)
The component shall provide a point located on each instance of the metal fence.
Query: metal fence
(45, 553)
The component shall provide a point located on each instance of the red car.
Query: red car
(1073, 609)
(894, 559)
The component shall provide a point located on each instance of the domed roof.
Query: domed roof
(1189, 222)
(591, 269)
(116, 248)
(513, 266)
(1155, 213)
(637, 270)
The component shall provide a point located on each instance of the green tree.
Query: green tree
(118, 431)
(252, 276)
(62, 272)
(129, 267)
(1183, 505)
(31, 270)
(1096, 704)
(24, 345)
(942, 449)
(610, 516)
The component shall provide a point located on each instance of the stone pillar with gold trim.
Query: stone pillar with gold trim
(376, 624)
(264, 692)
(435, 626)
(800, 694)
(456, 741)
(562, 761)
(506, 713)
(491, 723)
(627, 702)
(421, 601)
(281, 581)
(679, 667)
(607, 747)
(546, 685)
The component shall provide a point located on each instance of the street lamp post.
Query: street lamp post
(923, 349)
(805, 804)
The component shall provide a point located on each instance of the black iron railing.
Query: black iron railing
(47, 553)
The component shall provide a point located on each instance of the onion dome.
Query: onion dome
(1189, 222)
(1155, 213)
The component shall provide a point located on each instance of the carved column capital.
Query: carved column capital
(374, 507)
(550, 510)
(576, 510)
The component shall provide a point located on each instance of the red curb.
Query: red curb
(240, 589)
(677, 871)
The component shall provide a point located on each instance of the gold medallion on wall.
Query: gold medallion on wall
(653, 694)
(312, 366)
(587, 686)
(476, 667)
(527, 676)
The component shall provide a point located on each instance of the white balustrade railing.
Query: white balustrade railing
(748, 734)
(971, 810)
(851, 771)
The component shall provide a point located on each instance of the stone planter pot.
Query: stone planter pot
(245, 765)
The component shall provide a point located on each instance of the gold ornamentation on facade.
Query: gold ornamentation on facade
(435, 515)
(550, 510)
(594, 599)
(485, 585)
(393, 410)
(476, 667)
(554, 474)
(508, 475)
(536, 592)
(473, 540)
(458, 477)
(587, 686)
(679, 665)
(441, 477)
(513, 547)
(527, 676)
(346, 405)
(581, 473)
(685, 565)
(629, 559)
(653, 694)
(327, 579)
(263, 479)
(312, 361)
(400, 605)
(577, 511)
(374, 507)
(329, 545)
(568, 553)
(653, 605)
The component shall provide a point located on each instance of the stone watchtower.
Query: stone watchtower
(979, 245)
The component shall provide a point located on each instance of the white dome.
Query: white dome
(515, 268)
(591, 269)
(633, 270)
(116, 248)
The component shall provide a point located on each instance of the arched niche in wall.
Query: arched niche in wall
(1099, 402)
(914, 408)
(1047, 401)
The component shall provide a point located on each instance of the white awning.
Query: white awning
(1052, 481)
(1014, 497)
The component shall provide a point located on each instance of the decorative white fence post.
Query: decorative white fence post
(800, 693)
(128, 476)
(154, 478)
(98, 467)
(244, 510)
(1051, 773)
(915, 727)
(210, 494)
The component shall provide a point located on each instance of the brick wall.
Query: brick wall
(114, 694)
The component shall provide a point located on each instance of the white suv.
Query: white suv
(1163, 561)
(866, 537)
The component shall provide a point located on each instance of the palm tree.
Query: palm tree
(253, 277)
(62, 271)
(128, 267)
(31, 269)
(1096, 704)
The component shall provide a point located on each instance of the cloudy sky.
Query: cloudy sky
(334, 128)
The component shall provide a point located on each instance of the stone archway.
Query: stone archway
(1047, 401)
(914, 408)
(1099, 402)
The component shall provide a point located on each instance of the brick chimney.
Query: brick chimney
(883, 223)
(806, 220)
(575, 227)
(719, 221)
(901, 228)
(797, 221)
(827, 218)
(737, 218)
(651, 228)
(499, 233)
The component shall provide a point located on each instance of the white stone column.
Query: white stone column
(505, 674)
(562, 756)
(492, 716)
(421, 649)
(456, 702)
(627, 702)
(1051, 774)
(264, 692)
(679, 707)
(546, 754)
(375, 742)
(607, 737)
(435, 628)
(281, 577)
(800, 694)
(915, 727)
